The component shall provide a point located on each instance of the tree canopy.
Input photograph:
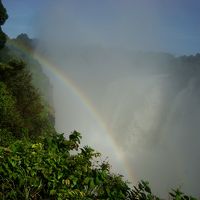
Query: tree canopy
(3, 18)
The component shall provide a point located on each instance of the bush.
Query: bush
(51, 169)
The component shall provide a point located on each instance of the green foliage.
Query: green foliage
(3, 14)
(23, 48)
(10, 119)
(3, 18)
(3, 38)
(22, 111)
(49, 169)
(58, 168)
(178, 195)
(6, 137)
(143, 192)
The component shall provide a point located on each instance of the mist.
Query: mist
(147, 107)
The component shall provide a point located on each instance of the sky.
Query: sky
(157, 114)
(159, 25)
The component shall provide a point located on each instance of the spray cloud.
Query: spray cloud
(147, 101)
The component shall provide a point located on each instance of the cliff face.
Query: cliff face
(23, 48)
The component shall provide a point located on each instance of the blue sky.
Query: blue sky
(22, 16)
(158, 25)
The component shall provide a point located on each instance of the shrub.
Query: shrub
(56, 168)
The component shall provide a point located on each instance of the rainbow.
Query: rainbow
(53, 69)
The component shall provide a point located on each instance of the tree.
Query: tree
(3, 18)
(10, 119)
(27, 100)
(3, 14)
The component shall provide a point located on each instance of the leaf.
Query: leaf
(87, 180)
(91, 183)
(60, 175)
(52, 192)
(108, 191)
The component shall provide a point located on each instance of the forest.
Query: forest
(36, 161)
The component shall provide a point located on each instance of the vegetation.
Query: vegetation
(51, 169)
(22, 111)
(38, 163)
(23, 47)
(56, 168)
(3, 18)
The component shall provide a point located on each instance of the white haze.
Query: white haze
(153, 118)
